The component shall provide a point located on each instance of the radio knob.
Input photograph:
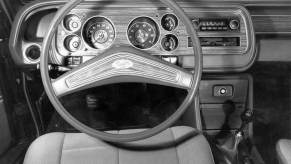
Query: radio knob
(195, 23)
(234, 24)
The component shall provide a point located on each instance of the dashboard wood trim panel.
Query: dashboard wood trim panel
(271, 19)
(121, 18)
(212, 63)
(273, 24)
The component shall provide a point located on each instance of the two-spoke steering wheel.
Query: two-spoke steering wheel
(121, 64)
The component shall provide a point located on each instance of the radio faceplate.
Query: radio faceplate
(222, 31)
(217, 24)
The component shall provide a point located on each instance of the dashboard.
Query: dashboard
(226, 34)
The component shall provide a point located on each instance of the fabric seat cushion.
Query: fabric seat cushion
(177, 145)
(284, 151)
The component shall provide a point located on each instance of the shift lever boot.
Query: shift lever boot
(230, 146)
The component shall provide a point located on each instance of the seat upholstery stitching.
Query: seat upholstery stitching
(61, 149)
(117, 155)
(82, 149)
(117, 149)
(209, 149)
(174, 138)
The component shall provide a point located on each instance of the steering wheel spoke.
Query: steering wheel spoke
(122, 64)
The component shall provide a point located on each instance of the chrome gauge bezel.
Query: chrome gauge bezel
(78, 20)
(177, 43)
(26, 48)
(157, 27)
(175, 16)
(72, 36)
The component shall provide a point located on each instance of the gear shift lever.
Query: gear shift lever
(230, 146)
(246, 118)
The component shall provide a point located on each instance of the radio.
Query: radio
(217, 24)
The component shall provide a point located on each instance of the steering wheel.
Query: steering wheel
(121, 64)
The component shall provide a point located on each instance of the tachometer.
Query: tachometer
(143, 32)
(99, 33)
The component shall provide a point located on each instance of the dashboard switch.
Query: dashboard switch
(74, 60)
(223, 91)
(170, 59)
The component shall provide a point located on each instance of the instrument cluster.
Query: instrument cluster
(226, 34)
(99, 33)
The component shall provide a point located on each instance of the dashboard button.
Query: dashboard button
(223, 91)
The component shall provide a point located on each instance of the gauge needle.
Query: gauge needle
(141, 36)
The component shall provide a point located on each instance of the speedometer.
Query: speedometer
(99, 33)
(143, 33)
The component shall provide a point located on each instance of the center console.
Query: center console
(223, 100)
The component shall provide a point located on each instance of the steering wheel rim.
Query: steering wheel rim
(62, 12)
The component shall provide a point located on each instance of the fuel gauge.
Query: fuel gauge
(169, 42)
